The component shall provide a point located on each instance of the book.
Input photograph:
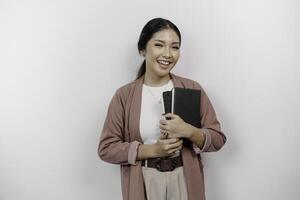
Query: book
(184, 102)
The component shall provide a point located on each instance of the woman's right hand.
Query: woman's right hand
(167, 147)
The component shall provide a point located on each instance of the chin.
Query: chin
(163, 74)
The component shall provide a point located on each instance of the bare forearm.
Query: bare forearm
(197, 136)
(163, 147)
(146, 151)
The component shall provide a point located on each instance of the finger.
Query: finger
(179, 143)
(173, 135)
(163, 127)
(174, 145)
(175, 150)
(163, 135)
(178, 148)
(169, 141)
(170, 115)
(163, 121)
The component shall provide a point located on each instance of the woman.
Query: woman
(155, 165)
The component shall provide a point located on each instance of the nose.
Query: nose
(167, 53)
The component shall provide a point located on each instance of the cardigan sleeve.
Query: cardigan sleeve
(214, 137)
(112, 148)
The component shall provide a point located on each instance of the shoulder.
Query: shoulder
(189, 83)
(126, 90)
(128, 87)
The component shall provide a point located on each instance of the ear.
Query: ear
(143, 53)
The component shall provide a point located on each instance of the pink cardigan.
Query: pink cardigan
(121, 136)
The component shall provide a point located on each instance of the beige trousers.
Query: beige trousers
(164, 185)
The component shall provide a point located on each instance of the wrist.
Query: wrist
(153, 150)
(197, 136)
(190, 131)
(145, 151)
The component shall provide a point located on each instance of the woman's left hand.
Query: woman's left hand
(174, 127)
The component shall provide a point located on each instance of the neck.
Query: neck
(156, 81)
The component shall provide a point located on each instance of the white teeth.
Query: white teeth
(164, 62)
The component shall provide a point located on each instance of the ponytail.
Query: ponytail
(142, 70)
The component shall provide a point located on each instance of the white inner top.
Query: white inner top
(151, 111)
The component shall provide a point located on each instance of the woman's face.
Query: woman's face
(162, 52)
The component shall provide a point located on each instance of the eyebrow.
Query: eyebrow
(164, 41)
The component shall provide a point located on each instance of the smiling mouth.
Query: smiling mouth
(164, 63)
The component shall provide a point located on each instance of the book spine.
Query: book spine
(173, 100)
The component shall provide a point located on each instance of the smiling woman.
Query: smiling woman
(161, 55)
(155, 165)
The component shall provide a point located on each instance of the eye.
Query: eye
(158, 45)
(176, 47)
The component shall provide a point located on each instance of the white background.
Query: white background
(62, 60)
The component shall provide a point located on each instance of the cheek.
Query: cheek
(152, 55)
(176, 55)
